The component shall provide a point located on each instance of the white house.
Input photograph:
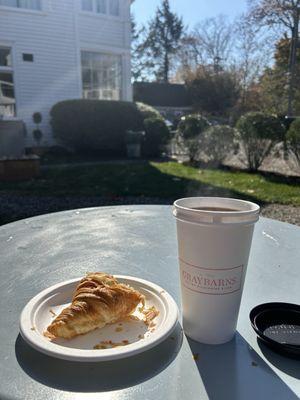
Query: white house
(52, 50)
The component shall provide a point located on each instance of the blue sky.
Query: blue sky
(192, 11)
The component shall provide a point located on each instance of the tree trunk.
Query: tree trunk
(293, 62)
(166, 68)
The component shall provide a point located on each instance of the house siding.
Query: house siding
(55, 37)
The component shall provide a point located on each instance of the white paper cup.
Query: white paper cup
(213, 250)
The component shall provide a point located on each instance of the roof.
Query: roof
(161, 94)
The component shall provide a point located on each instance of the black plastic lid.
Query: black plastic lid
(278, 325)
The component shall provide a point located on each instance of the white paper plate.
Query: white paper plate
(39, 313)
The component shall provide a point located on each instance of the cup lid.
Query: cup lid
(210, 210)
(278, 325)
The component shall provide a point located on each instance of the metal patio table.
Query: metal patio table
(141, 241)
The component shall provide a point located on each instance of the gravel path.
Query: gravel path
(14, 207)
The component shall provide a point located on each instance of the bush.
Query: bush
(217, 143)
(157, 134)
(189, 135)
(258, 133)
(148, 111)
(293, 145)
(191, 126)
(93, 125)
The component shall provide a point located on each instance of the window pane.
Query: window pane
(9, 3)
(7, 95)
(87, 5)
(5, 57)
(103, 78)
(114, 7)
(31, 4)
(101, 6)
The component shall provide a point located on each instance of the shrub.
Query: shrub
(217, 143)
(258, 133)
(191, 126)
(293, 144)
(189, 135)
(89, 125)
(37, 117)
(157, 134)
(37, 133)
(148, 111)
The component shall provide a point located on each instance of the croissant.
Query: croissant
(99, 299)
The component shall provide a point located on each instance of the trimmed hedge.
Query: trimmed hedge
(148, 111)
(293, 145)
(157, 134)
(192, 125)
(93, 125)
(258, 134)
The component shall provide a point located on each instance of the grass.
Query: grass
(166, 180)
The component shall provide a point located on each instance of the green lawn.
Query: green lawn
(166, 180)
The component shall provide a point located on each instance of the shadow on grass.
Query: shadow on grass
(64, 188)
(274, 177)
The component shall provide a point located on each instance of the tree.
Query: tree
(253, 53)
(214, 41)
(141, 65)
(162, 41)
(210, 43)
(274, 82)
(286, 14)
(211, 92)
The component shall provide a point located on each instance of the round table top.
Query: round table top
(140, 241)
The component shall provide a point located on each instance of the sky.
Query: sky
(192, 11)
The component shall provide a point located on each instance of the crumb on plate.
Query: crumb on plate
(150, 314)
(108, 344)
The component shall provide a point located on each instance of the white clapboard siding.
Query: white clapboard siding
(55, 37)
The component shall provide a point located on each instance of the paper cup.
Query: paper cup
(213, 249)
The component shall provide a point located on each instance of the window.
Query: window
(101, 76)
(110, 7)
(30, 4)
(87, 5)
(5, 57)
(7, 95)
(101, 6)
(114, 7)
(28, 57)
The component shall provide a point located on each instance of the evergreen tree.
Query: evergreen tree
(162, 41)
(141, 63)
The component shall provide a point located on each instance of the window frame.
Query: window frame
(103, 52)
(10, 70)
(94, 13)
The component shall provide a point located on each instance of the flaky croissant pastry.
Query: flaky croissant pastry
(99, 299)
